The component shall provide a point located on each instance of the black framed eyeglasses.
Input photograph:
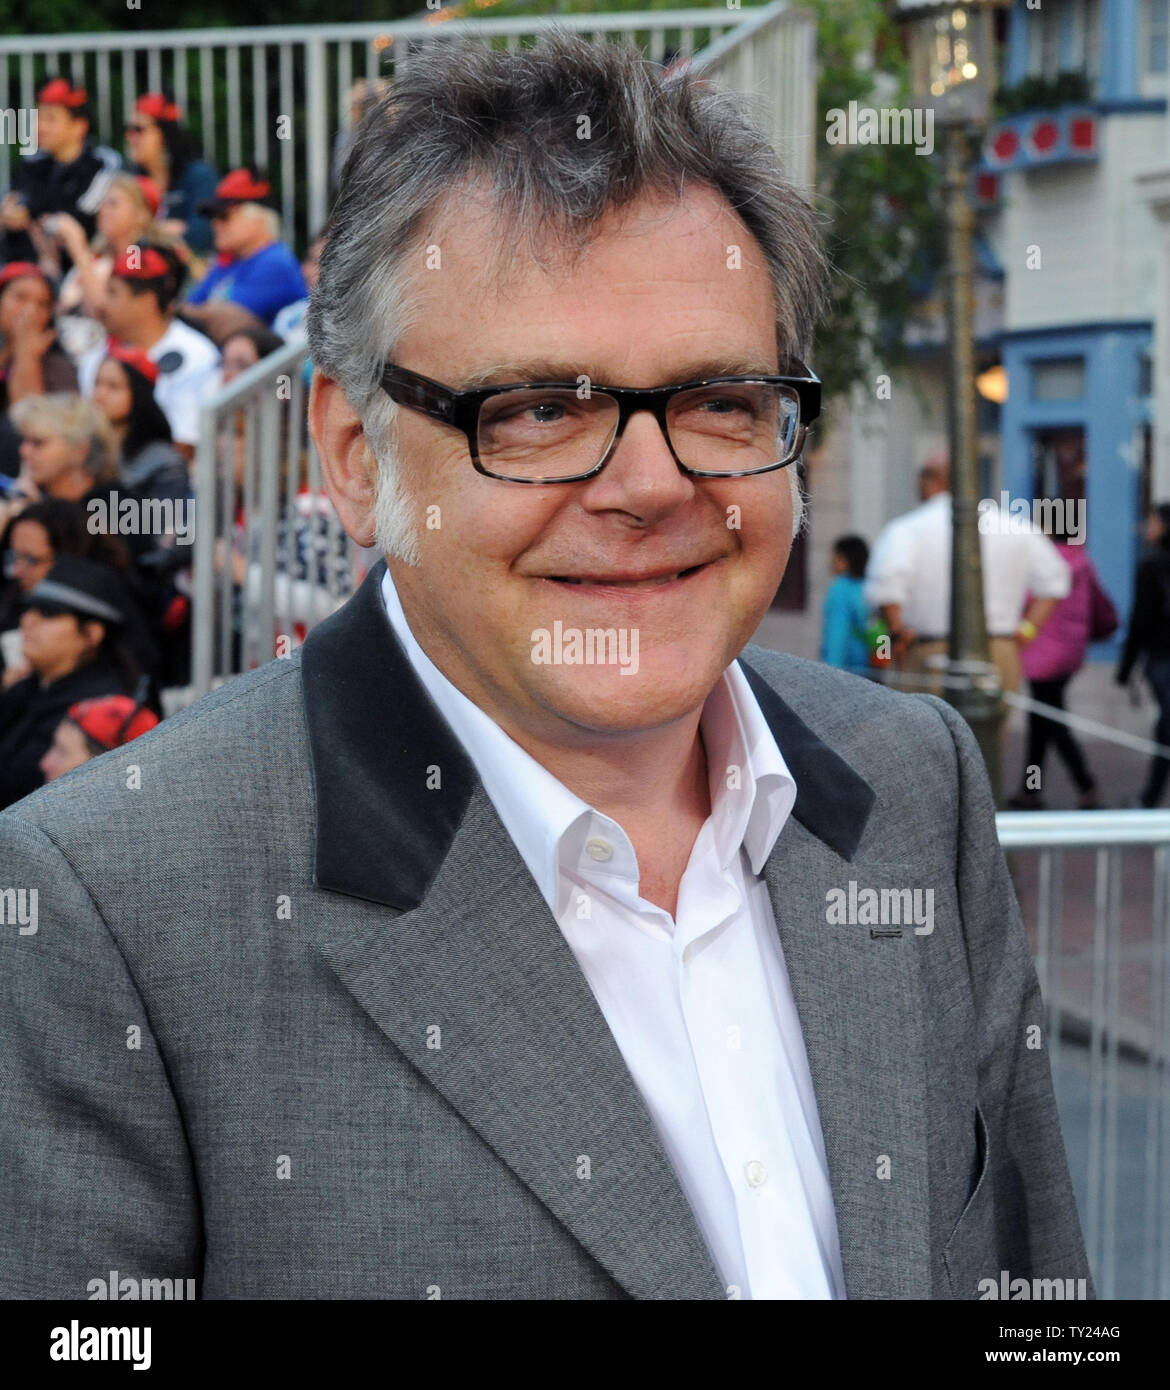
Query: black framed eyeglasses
(563, 432)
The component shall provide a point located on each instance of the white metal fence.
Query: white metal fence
(271, 557)
(235, 85)
(1094, 887)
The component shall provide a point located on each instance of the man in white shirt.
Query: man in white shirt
(138, 312)
(516, 938)
(909, 580)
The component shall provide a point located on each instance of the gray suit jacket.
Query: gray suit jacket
(296, 1022)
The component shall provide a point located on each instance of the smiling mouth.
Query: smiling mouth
(655, 582)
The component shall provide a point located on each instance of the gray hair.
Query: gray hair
(78, 422)
(463, 114)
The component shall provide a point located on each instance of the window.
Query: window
(1058, 379)
(1065, 36)
(1154, 45)
(1086, 49)
(1146, 375)
(1044, 49)
(1058, 463)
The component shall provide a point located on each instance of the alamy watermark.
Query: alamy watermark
(77, 1343)
(591, 646)
(145, 516)
(19, 127)
(882, 125)
(1063, 517)
(1005, 1287)
(18, 908)
(128, 1288)
(888, 909)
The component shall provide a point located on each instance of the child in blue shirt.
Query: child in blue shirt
(845, 613)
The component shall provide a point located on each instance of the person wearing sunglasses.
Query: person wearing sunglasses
(71, 630)
(515, 906)
(160, 146)
(29, 545)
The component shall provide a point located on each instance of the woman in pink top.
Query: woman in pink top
(1050, 661)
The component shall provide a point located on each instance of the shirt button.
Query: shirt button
(756, 1173)
(599, 849)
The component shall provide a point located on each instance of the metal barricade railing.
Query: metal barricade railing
(772, 58)
(1100, 931)
(277, 94)
(271, 557)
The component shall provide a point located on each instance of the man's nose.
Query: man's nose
(641, 477)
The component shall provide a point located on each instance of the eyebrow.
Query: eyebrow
(544, 369)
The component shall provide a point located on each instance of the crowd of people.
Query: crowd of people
(886, 616)
(133, 286)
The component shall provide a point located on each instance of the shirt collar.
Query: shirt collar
(752, 789)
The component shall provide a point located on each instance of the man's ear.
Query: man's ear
(348, 466)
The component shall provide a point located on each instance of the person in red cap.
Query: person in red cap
(93, 727)
(163, 149)
(255, 268)
(68, 173)
(137, 312)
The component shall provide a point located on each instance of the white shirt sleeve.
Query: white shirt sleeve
(1048, 575)
(890, 571)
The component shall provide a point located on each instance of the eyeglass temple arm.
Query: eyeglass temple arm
(430, 397)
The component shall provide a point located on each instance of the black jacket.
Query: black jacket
(30, 713)
(47, 186)
(1149, 621)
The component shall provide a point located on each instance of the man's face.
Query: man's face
(58, 130)
(121, 308)
(232, 229)
(652, 302)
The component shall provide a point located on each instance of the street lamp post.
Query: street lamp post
(952, 59)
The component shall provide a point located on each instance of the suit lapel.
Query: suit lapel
(526, 1057)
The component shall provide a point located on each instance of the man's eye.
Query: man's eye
(722, 407)
(542, 411)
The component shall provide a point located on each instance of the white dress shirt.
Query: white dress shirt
(700, 1004)
(911, 565)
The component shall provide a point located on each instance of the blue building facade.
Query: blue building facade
(1078, 342)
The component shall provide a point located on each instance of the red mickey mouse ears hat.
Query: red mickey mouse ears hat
(157, 107)
(240, 186)
(111, 720)
(60, 93)
(142, 263)
(17, 270)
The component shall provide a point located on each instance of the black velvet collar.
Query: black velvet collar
(392, 781)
